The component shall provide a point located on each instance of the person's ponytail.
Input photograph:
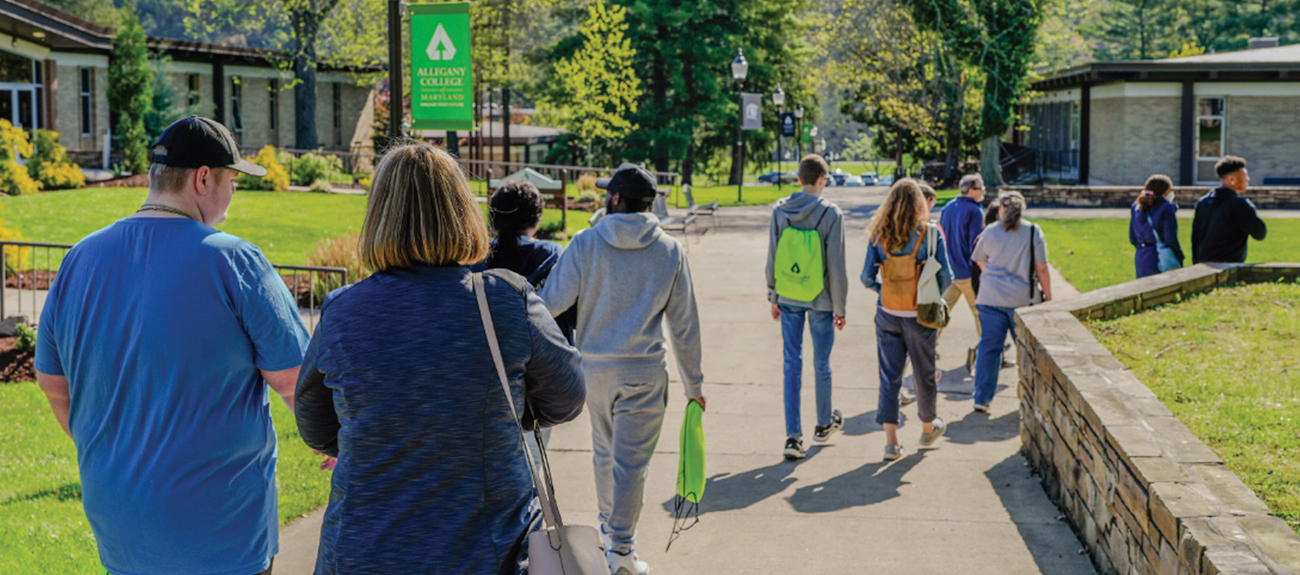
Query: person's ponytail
(516, 206)
(1155, 188)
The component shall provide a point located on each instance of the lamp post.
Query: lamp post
(778, 98)
(739, 70)
(798, 131)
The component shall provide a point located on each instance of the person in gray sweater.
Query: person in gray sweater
(627, 276)
(794, 295)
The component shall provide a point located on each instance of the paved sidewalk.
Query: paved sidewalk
(970, 506)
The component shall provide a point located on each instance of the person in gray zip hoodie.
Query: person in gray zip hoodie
(626, 276)
(807, 210)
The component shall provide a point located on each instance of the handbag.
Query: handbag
(931, 309)
(1035, 290)
(1168, 260)
(557, 549)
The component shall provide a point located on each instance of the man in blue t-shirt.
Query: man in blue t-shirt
(155, 348)
(962, 222)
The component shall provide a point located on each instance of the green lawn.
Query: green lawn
(1202, 359)
(286, 225)
(42, 526)
(1096, 253)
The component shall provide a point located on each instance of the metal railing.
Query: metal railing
(32, 276)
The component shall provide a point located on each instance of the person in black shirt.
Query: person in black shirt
(1224, 219)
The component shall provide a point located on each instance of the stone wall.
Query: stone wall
(1269, 198)
(1145, 495)
(1257, 130)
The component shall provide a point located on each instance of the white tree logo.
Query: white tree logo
(752, 112)
(440, 47)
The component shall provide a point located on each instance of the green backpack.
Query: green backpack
(799, 263)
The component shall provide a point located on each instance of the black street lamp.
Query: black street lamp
(778, 98)
(739, 70)
(798, 132)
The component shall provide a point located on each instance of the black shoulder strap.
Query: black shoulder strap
(1033, 229)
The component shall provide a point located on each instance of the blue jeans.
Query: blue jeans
(997, 322)
(822, 326)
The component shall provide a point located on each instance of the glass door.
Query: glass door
(25, 109)
(7, 105)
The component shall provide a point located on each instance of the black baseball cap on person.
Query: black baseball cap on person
(196, 142)
(631, 181)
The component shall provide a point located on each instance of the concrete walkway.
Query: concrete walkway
(970, 506)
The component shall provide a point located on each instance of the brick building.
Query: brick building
(54, 75)
(1115, 123)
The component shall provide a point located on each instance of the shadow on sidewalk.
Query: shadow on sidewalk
(1045, 538)
(732, 491)
(867, 485)
(978, 427)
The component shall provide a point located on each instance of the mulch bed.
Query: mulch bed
(15, 365)
(133, 181)
(302, 292)
(31, 279)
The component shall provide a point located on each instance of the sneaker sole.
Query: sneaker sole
(982, 408)
(936, 437)
(827, 437)
(792, 455)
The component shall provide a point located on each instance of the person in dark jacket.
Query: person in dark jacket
(400, 384)
(1224, 219)
(1153, 219)
(516, 210)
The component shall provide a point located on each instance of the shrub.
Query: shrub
(339, 252)
(365, 182)
(586, 182)
(309, 168)
(321, 187)
(50, 165)
(26, 340)
(14, 179)
(15, 258)
(276, 178)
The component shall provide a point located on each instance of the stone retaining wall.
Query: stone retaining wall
(1145, 495)
(1268, 198)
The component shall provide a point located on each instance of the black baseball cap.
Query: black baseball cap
(196, 142)
(630, 181)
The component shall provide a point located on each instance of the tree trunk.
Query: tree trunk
(660, 155)
(991, 162)
(688, 165)
(951, 169)
(304, 96)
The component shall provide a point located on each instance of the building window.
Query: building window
(274, 94)
(1210, 137)
(236, 114)
(192, 82)
(338, 115)
(87, 101)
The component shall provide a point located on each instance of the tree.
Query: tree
(351, 31)
(166, 99)
(998, 37)
(129, 92)
(600, 89)
(1136, 29)
(917, 94)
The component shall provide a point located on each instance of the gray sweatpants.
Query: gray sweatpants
(627, 414)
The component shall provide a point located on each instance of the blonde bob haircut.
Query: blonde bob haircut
(902, 213)
(421, 212)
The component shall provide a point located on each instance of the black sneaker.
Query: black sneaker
(794, 448)
(822, 434)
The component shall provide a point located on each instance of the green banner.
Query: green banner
(442, 87)
(807, 132)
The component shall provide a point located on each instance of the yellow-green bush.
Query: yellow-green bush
(276, 178)
(50, 165)
(14, 179)
(15, 258)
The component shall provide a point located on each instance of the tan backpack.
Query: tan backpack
(900, 275)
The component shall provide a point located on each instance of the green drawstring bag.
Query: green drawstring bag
(690, 473)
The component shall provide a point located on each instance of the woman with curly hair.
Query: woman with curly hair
(900, 234)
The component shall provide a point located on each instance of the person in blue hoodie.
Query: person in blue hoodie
(628, 277)
(806, 211)
(1153, 221)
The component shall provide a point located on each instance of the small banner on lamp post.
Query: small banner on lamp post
(787, 124)
(752, 106)
(442, 87)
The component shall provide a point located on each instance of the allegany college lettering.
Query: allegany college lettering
(441, 67)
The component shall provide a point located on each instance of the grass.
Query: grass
(1202, 358)
(286, 225)
(1095, 253)
(42, 526)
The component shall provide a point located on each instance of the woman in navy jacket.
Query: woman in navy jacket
(1154, 213)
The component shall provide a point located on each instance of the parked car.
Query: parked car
(789, 177)
(869, 178)
(769, 178)
(854, 182)
(838, 176)
(885, 180)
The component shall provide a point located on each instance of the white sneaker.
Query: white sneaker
(606, 538)
(629, 564)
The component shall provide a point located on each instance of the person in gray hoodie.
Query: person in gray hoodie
(627, 276)
(796, 291)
